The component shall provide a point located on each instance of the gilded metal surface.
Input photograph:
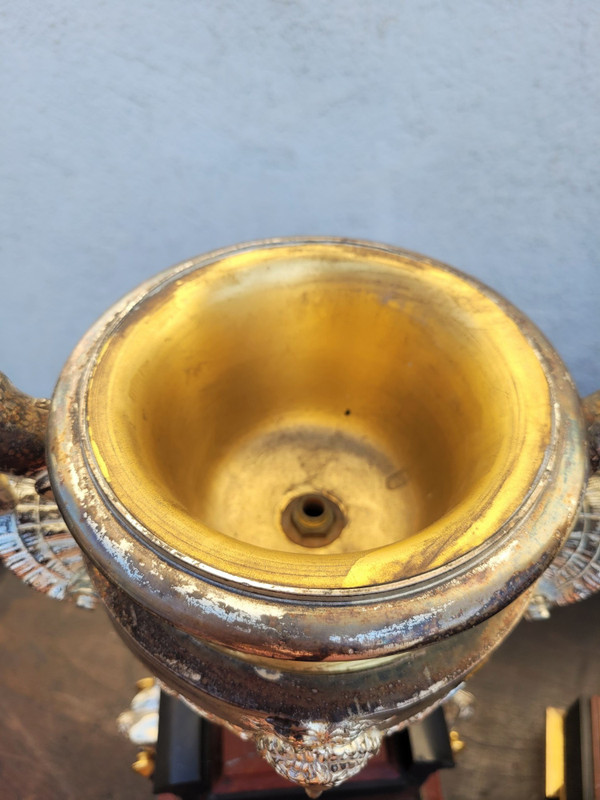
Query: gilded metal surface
(272, 618)
(431, 414)
(301, 369)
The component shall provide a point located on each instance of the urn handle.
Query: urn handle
(23, 424)
(34, 540)
(591, 412)
(575, 572)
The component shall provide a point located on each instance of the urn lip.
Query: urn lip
(470, 580)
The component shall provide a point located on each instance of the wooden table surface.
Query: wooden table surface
(65, 676)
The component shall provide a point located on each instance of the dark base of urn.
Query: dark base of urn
(196, 760)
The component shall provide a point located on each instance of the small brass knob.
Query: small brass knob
(144, 764)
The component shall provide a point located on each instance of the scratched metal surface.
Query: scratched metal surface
(65, 676)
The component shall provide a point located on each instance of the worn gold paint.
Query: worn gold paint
(100, 461)
(395, 387)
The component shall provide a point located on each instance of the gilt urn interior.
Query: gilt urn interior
(319, 417)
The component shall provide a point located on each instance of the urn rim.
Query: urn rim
(121, 545)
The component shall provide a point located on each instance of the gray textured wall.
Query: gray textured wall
(135, 134)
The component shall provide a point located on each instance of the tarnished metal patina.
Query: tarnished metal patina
(315, 483)
(35, 543)
(575, 572)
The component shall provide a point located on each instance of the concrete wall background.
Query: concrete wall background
(134, 135)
